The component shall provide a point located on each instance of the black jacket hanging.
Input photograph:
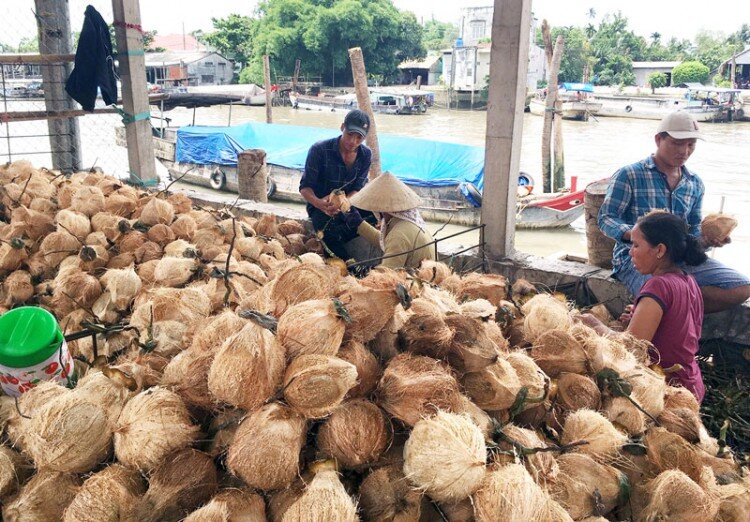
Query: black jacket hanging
(94, 64)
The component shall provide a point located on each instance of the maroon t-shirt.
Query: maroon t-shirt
(679, 331)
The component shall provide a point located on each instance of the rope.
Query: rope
(127, 119)
(127, 25)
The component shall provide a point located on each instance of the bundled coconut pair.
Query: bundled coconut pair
(239, 376)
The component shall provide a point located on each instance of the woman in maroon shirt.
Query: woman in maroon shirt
(668, 310)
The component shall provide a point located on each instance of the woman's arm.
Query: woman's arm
(646, 318)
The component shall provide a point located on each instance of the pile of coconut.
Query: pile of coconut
(237, 375)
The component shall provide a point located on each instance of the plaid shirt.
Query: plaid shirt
(325, 170)
(637, 189)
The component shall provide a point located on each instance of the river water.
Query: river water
(593, 150)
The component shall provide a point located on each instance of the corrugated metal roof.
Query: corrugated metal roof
(176, 57)
(424, 63)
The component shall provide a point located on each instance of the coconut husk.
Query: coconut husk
(311, 327)
(36, 224)
(444, 300)
(180, 248)
(543, 313)
(12, 258)
(445, 457)
(123, 286)
(324, 499)
(462, 511)
(18, 288)
(184, 480)
(111, 225)
(229, 505)
(131, 241)
(45, 206)
(734, 501)
(182, 204)
(148, 251)
(542, 466)
(368, 368)
(679, 397)
(385, 346)
(585, 487)
(576, 392)
(119, 205)
(557, 351)
(604, 440)
(97, 239)
(530, 376)
(294, 245)
(247, 370)
(480, 309)
(433, 272)
(145, 368)
(426, 334)
(157, 211)
(522, 290)
(312, 258)
(29, 405)
(161, 234)
(717, 227)
(153, 424)
(280, 501)
(509, 493)
(43, 498)
(91, 258)
(125, 260)
(15, 469)
(174, 271)
(493, 388)
(54, 248)
(471, 349)
(384, 278)
(369, 311)
(218, 328)
(682, 421)
(492, 287)
(221, 431)
(188, 306)
(648, 389)
(166, 338)
(87, 200)
(265, 452)
(674, 496)
(355, 435)
(187, 375)
(414, 387)
(266, 226)
(106, 496)
(300, 283)
(145, 270)
(605, 353)
(250, 247)
(314, 385)
(184, 227)
(290, 226)
(106, 389)
(667, 450)
(385, 494)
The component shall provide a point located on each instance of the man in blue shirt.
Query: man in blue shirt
(662, 181)
(340, 163)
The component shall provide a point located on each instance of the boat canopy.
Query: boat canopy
(582, 87)
(415, 161)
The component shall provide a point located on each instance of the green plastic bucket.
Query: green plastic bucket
(32, 350)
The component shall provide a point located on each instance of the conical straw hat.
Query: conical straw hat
(386, 193)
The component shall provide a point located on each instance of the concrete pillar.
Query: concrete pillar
(252, 175)
(507, 91)
(53, 24)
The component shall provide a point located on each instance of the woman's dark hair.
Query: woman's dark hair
(672, 232)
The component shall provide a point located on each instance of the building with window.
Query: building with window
(183, 68)
(642, 70)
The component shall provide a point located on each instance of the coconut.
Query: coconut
(462, 511)
(145, 368)
(186, 305)
(324, 499)
(734, 501)
(471, 349)
(36, 224)
(557, 351)
(543, 313)
(385, 346)
(280, 501)
(444, 300)
(153, 424)
(667, 450)
(123, 286)
(445, 457)
(14, 470)
(674, 496)
(43, 498)
(509, 493)
(250, 247)
(311, 327)
(184, 227)
(315, 384)
(311, 258)
(522, 290)
(355, 435)
(45, 206)
(266, 225)
(187, 375)
(148, 251)
(221, 431)
(369, 311)
(119, 205)
(542, 466)
(682, 421)
(29, 405)
(385, 494)
(131, 241)
(87, 200)
(603, 439)
(174, 271)
(247, 369)
(217, 330)
(111, 225)
(717, 227)
(492, 287)
(585, 487)
(265, 452)
(69, 434)
(182, 204)
(107, 389)
(180, 248)
(229, 505)
(183, 481)
(414, 386)
(125, 260)
(480, 309)
(495, 387)
(426, 334)
(157, 211)
(13, 254)
(368, 368)
(18, 288)
(648, 389)
(300, 283)
(97, 239)
(161, 234)
(530, 376)
(605, 353)
(679, 397)
(576, 392)
(106, 496)
(433, 272)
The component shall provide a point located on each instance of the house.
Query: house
(741, 63)
(428, 68)
(466, 67)
(177, 42)
(175, 68)
(642, 70)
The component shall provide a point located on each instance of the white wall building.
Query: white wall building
(642, 70)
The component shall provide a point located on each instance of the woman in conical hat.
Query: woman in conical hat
(402, 229)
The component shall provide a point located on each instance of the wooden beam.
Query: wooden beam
(363, 101)
(127, 21)
(267, 85)
(35, 59)
(11, 117)
(53, 26)
(507, 93)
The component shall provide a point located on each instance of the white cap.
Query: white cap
(680, 125)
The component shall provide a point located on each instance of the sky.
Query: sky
(667, 17)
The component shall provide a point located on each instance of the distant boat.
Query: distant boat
(385, 101)
(208, 95)
(577, 103)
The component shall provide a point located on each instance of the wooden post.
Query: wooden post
(419, 81)
(507, 91)
(53, 26)
(363, 100)
(295, 78)
(558, 169)
(134, 93)
(267, 81)
(252, 175)
(548, 116)
(599, 246)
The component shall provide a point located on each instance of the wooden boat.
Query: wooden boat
(577, 104)
(383, 101)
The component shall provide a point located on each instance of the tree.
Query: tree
(28, 45)
(615, 48)
(688, 72)
(656, 80)
(233, 37)
(439, 35)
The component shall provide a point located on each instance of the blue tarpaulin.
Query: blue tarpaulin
(414, 161)
(582, 87)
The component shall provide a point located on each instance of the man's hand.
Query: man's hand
(626, 236)
(327, 207)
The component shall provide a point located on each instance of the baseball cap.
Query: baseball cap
(680, 125)
(357, 121)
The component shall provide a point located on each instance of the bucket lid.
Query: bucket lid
(28, 336)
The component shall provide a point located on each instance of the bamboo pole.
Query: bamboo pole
(363, 100)
(267, 81)
(34, 59)
(558, 169)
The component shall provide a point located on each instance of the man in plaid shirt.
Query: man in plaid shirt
(662, 181)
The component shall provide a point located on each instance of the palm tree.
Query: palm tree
(655, 37)
(591, 13)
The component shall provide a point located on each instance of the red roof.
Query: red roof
(178, 42)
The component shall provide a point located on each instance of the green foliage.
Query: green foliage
(28, 45)
(577, 52)
(253, 72)
(656, 80)
(720, 81)
(713, 48)
(439, 35)
(690, 72)
(233, 37)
